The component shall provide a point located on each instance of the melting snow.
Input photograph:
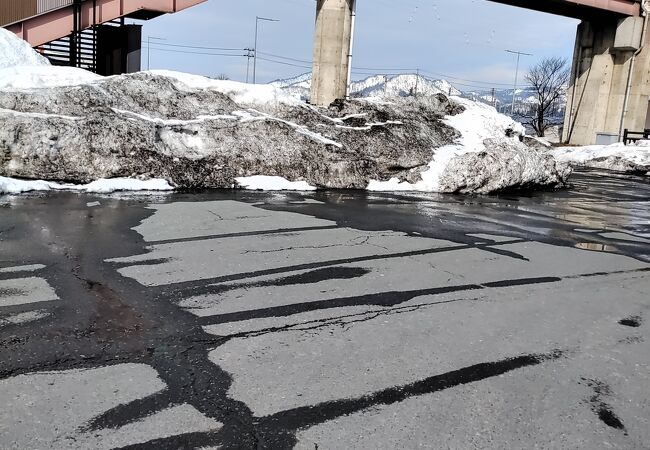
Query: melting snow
(476, 124)
(102, 186)
(637, 154)
(267, 183)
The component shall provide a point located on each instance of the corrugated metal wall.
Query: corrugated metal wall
(47, 5)
(15, 10)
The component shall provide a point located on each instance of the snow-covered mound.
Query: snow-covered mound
(16, 52)
(200, 133)
(170, 128)
(485, 159)
(249, 94)
(376, 86)
(618, 157)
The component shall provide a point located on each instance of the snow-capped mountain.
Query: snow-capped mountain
(377, 86)
(526, 100)
(303, 80)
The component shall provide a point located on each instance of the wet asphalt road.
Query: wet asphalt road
(328, 320)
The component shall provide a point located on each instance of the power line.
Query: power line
(198, 47)
(196, 53)
(283, 63)
(285, 57)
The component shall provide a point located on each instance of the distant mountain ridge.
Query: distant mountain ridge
(404, 85)
(376, 86)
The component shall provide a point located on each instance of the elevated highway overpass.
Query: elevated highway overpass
(42, 22)
(610, 82)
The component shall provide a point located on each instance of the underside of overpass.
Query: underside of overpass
(86, 33)
(579, 9)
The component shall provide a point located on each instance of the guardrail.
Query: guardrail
(634, 136)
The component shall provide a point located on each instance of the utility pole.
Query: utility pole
(514, 92)
(249, 55)
(149, 38)
(257, 21)
(494, 97)
(417, 80)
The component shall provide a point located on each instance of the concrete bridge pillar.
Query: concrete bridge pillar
(610, 83)
(332, 50)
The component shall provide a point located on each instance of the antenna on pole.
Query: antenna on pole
(514, 91)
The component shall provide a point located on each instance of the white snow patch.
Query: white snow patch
(174, 122)
(20, 78)
(16, 52)
(476, 124)
(22, 68)
(242, 93)
(102, 186)
(269, 183)
(637, 154)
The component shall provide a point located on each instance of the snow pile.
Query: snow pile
(16, 52)
(634, 158)
(22, 68)
(241, 93)
(480, 126)
(102, 186)
(266, 183)
(201, 133)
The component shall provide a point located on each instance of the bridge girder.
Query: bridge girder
(579, 9)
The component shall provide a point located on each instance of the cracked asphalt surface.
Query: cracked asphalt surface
(328, 320)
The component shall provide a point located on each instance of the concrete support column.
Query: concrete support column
(332, 47)
(603, 75)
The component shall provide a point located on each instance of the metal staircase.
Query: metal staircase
(78, 49)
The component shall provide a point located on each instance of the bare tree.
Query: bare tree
(221, 76)
(549, 79)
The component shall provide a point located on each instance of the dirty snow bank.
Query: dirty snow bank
(487, 157)
(196, 132)
(634, 158)
(102, 186)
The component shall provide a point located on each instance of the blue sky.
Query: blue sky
(464, 39)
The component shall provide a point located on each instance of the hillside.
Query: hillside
(376, 86)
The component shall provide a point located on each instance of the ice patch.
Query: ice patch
(269, 183)
(102, 186)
